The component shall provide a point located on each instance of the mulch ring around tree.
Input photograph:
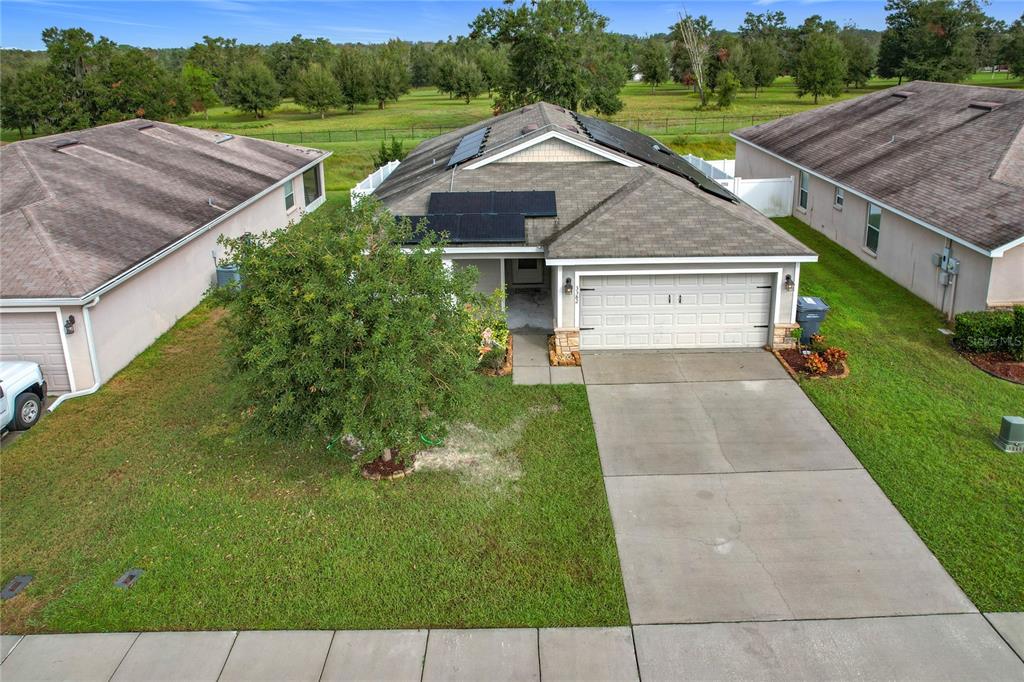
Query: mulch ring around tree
(399, 466)
(999, 364)
(795, 363)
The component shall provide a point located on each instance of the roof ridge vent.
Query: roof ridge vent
(984, 105)
(903, 94)
(145, 125)
(65, 142)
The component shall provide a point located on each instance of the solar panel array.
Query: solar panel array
(530, 204)
(645, 149)
(469, 146)
(471, 228)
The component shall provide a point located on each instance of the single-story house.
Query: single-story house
(601, 234)
(109, 235)
(924, 181)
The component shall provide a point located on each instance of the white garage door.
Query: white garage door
(36, 337)
(675, 311)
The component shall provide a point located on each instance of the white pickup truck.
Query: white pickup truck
(22, 392)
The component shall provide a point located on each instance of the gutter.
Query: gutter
(994, 253)
(164, 252)
(97, 380)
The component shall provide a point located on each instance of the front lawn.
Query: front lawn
(156, 472)
(921, 420)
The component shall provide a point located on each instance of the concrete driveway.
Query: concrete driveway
(733, 499)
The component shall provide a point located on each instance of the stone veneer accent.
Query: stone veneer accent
(567, 340)
(781, 338)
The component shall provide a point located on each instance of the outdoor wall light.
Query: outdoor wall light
(789, 283)
(567, 287)
(69, 325)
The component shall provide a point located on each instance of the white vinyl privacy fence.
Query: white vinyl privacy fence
(771, 196)
(371, 182)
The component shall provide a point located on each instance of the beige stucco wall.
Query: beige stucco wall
(568, 301)
(553, 150)
(489, 269)
(1006, 286)
(904, 248)
(131, 316)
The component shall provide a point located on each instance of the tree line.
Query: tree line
(936, 40)
(559, 51)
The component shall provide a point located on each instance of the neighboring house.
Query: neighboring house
(924, 181)
(109, 235)
(601, 234)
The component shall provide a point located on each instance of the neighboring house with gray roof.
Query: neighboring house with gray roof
(924, 181)
(601, 234)
(108, 235)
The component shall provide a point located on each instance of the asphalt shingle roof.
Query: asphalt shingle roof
(930, 154)
(605, 209)
(73, 217)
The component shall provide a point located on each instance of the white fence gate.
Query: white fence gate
(771, 196)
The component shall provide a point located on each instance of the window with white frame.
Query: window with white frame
(873, 229)
(839, 199)
(289, 195)
(805, 183)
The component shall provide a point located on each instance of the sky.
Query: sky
(179, 23)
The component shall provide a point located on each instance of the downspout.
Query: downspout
(92, 359)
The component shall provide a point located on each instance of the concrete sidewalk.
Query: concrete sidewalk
(945, 647)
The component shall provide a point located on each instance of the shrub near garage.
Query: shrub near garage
(338, 330)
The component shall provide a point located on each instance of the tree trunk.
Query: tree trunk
(388, 454)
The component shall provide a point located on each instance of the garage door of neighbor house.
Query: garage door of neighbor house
(36, 337)
(675, 311)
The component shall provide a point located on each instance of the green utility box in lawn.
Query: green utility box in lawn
(1011, 435)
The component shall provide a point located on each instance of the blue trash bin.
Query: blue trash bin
(810, 313)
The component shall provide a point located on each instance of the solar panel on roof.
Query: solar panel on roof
(644, 148)
(469, 146)
(471, 228)
(534, 204)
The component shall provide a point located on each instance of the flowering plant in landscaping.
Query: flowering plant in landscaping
(834, 356)
(816, 364)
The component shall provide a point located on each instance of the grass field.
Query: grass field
(236, 532)
(921, 420)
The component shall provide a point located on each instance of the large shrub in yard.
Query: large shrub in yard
(989, 331)
(339, 330)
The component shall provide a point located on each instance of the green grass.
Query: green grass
(921, 420)
(235, 532)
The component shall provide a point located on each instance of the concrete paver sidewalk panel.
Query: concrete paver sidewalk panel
(194, 656)
(79, 657)
(587, 654)
(531, 376)
(273, 655)
(941, 647)
(7, 642)
(530, 350)
(492, 655)
(764, 546)
(566, 375)
(1011, 627)
(385, 655)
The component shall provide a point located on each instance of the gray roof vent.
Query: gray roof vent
(529, 128)
(984, 106)
(145, 125)
(224, 138)
(903, 94)
(64, 142)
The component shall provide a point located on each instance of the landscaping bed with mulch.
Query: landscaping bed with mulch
(396, 467)
(796, 362)
(998, 364)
